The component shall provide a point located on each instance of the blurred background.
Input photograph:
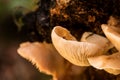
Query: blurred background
(13, 66)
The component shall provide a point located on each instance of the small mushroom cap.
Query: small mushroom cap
(113, 34)
(72, 50)
(110, 63)
(43, 55)
(97, 39)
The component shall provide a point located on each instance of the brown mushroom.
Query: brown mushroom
(48, 60)
(97, 39)
(38, 54)
(113, 34)
(109, 63)
(74, 51)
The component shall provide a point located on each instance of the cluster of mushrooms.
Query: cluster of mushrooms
(91, 50)
(68, 53)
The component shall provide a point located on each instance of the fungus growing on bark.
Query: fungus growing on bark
(38, 54)
(74, 51)
(109, 63)
(113, 34)
(97, 39)
(48, 60)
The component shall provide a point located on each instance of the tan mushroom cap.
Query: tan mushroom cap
(110, 63)
(48, 60)
(97, 39)
(72, 50)
(113, 34)
(43, 55)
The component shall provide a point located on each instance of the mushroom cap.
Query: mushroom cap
(72, 50)
(48, 60)
(97, 39)
(43, 55)
(113, 34)
(113, 71)
(110, 63)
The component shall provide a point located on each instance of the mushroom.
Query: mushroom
(113, 34)
(74, 51)
(97, 39)
(48, 60)
(109, 63)
(38, 54)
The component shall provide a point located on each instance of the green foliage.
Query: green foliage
(8, 7)
(17, 9)
(25, 6)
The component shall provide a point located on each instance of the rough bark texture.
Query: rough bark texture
(77, 15)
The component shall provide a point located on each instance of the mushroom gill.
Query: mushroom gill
(40, 55)
(97, 39)
(113, 34)
(48, 60)
(109, 63)
(74, 51)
